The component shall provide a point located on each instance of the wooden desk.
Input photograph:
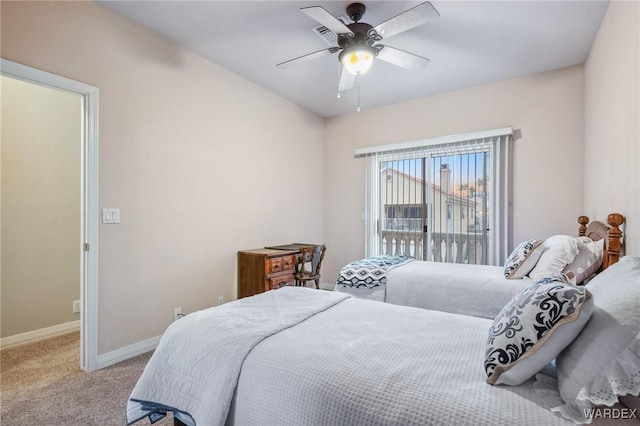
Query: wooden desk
(268, 268)
(291, 246)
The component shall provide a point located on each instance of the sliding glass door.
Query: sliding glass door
(435, 207)
(439, 203)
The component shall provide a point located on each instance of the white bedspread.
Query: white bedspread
(195, 368)
(369, 363)
(475, 290)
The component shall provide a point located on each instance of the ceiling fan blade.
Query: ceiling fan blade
(402, 59)
(414, 17)
(320, 15)
(346, 80)
(307, 57)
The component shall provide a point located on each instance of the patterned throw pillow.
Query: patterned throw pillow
(533, 328)
(523, 259)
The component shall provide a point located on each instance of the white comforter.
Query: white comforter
(476, 290)
(369, 363)
(353, 362)
(195, 368)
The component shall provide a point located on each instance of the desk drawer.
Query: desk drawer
(281, 264)
(280, 281)
(288, 263)
(262, 269)
(275, 265)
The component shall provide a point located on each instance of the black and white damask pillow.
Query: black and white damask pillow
(523, 259)
(533, 328)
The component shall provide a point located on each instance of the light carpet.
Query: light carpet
(42, 384)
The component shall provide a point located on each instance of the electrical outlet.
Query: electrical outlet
(220, 300)
(76, 307)
(177, 313)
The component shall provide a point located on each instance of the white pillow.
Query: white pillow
(533, 328)
(522, 259)
(588, 260)
(603, 362)
(559, 251)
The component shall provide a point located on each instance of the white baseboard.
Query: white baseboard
(122, 354)
(41, 334)
(104, 360)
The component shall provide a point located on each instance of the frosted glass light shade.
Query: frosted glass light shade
(357, 59)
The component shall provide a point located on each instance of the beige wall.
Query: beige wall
(201, 162)
(40, 206)
(612, 123)
(548, 183)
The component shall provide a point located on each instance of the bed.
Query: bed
(301, 356)
(297, 356)
(482, 290)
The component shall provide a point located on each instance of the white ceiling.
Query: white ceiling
(472, 43)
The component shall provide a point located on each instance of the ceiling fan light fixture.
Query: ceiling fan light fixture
(357, 59)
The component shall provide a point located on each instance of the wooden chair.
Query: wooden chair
(313, 254)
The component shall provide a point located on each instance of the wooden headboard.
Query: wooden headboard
(611, 234)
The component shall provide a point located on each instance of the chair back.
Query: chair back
(316, 256)
(316, 259)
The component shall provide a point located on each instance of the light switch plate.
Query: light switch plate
(110, 215)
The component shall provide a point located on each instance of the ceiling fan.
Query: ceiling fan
(357, 41)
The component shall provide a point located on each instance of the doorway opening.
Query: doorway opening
(87, 245)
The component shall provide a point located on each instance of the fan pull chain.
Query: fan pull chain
(358, 80)
(339, 71)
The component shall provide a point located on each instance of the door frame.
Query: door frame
(89, 217)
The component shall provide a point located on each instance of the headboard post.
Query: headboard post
(583, 221)
(613, 239)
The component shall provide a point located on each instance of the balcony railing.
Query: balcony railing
(449, 247)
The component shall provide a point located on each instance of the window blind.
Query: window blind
(443, 199)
